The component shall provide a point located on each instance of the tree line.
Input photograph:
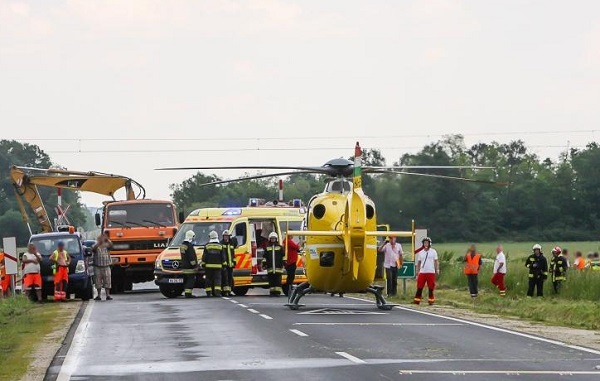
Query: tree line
(11, 221)
(533, 199)
(540, 199)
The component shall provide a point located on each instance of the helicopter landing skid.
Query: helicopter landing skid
(297, 293)
(381, 303)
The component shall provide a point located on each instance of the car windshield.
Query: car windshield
(201, 229)
(142, 214)
(47, 245)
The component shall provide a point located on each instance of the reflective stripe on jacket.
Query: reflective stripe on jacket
(212, 258)
(273, 259)
(229, 253)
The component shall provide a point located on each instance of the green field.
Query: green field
(518, 249)
(578, 304)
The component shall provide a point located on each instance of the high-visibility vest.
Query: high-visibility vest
(2, 267)
(579, 263)
(472, 263)
(55, 257)
(595, 264)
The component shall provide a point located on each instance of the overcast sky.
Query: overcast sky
(172, 83)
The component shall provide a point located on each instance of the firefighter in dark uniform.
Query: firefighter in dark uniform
(212, 262)
(189, 263)
(229, 246)
(558, 269)
(273, 261)
(538, 271)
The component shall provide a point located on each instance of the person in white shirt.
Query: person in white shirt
(499, 271)
(32, 279)
(392, 260)
(427, 267)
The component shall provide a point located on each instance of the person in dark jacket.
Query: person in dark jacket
(189, 263)
(273, 261)
(538, 271)
(558, 269)
(212, 262)
(229, 246)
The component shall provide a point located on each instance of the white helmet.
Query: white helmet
(273, 235)
(190, 235)
(213, 235)
(226, 232)
(537, 246)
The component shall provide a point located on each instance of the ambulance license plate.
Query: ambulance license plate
(175, 280)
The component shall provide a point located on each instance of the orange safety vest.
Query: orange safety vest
(2, 266)
(472, 264)
(580, 263)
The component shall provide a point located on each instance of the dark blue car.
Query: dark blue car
(80, 276)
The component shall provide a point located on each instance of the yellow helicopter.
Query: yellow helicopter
(341, 227)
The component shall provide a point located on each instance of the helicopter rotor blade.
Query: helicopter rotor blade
(404, 167)
(255, 177)
(443, 177)
(248, 167)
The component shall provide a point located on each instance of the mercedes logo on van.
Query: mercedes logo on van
(175, 264)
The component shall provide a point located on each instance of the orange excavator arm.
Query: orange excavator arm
(26, 180)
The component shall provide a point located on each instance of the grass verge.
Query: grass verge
(22, 326)
(550, 310)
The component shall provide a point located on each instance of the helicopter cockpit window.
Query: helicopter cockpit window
(370, 211)
(339, 186)
(326, 258)
(319, 211)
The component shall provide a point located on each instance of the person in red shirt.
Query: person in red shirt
(290, 266)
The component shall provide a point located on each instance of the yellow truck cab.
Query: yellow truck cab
(249, 226)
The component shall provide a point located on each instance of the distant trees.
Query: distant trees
(542, 199)
(29, 155)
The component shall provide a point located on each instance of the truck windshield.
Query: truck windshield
(201, 229)
(46, 245)
(141, 214)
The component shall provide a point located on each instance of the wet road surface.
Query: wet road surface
(144, 336)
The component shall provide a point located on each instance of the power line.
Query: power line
(270, 138)
(257, 149)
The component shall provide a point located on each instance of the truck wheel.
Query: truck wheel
(170, 291)
(240, 291)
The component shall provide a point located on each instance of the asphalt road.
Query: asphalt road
(144, 336)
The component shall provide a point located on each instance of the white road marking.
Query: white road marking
(389, 324)
(226, 298)
(266, 316)
(71, 361)
(233, 301)
(242, 305)
(502, 372)
(299, 333)
(497, 329)
(253, 311)
(348, 356)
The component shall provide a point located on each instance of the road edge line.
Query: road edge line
(58, 359)
(75, 347)
(497, 329)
